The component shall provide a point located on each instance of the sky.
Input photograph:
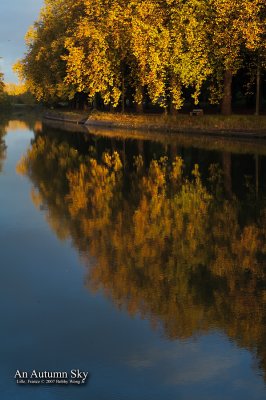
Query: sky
(15, 18)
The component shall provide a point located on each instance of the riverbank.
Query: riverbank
(233, 125)
(229, 143)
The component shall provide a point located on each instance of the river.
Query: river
(141, 262)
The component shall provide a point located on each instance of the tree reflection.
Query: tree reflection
(15, 121)
(158, 242)
(2, 145)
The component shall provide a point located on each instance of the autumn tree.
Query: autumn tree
(233, 27)
(258, 49)
(43, 67)
(158, 47)
(98, 58)
(4, 100)
(189, 48)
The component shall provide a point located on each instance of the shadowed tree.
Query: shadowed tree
(156, 47)
(234, 27)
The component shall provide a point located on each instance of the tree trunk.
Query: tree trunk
(173, 151)
(139, 99)
(124, 154)
(123, 94)
(139, 108)
(175, 85)
(141, 148)
(227, 94)
(95, 104)
(171, 107)
(227, 173)
(257, 112)
(113, 108)
(257, 174)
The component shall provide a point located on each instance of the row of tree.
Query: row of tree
(12, 94)
(128, 51)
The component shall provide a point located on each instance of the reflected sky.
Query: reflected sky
(15, 18)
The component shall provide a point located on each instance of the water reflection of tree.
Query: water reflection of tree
(13, 121)
(183, 256)
(2, 144)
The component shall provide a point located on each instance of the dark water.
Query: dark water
(122, 259)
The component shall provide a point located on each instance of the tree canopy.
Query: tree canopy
(158, 47)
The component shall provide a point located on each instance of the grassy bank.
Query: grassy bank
(230, 143)
(183, 122)
(178, 123)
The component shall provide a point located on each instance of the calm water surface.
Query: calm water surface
(122, 259)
